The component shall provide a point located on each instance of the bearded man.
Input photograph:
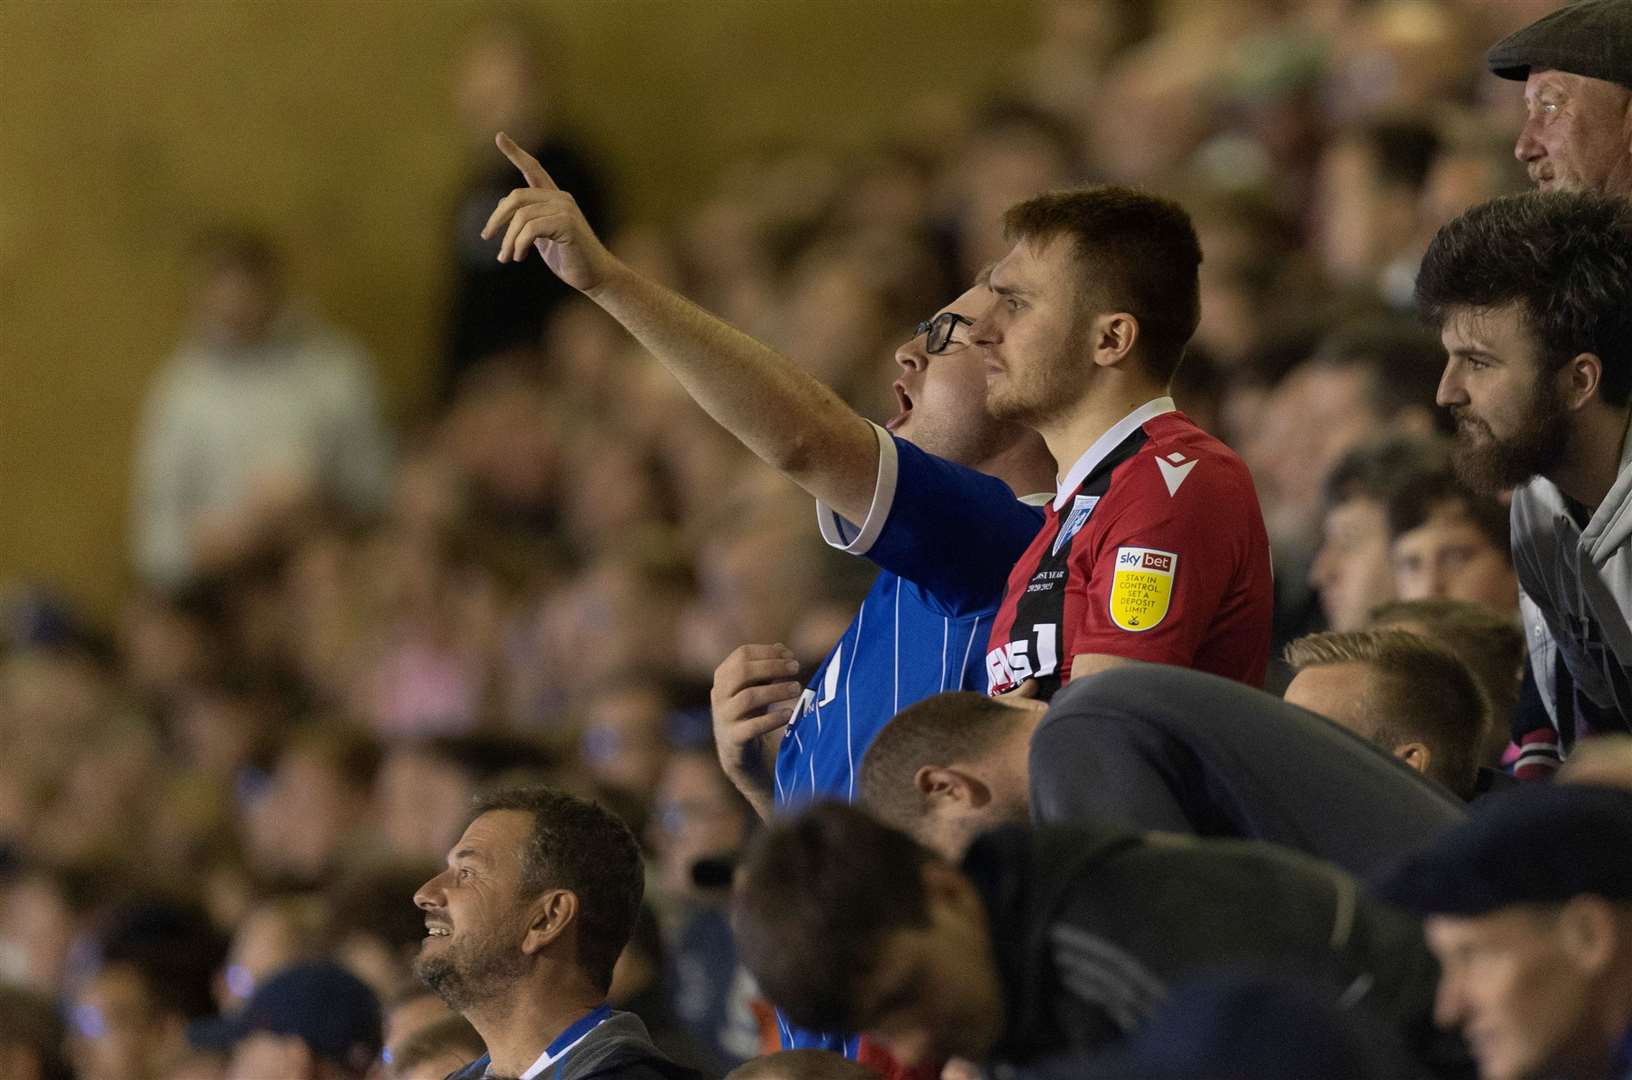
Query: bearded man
(539, 897)
(1533, 298)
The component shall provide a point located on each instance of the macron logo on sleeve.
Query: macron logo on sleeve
(1174, 470)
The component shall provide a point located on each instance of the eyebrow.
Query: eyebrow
(1007, 290)
(1474, 352)
(470, 855)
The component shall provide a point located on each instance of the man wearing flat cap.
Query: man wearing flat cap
(1576, 66)
(1528, 907)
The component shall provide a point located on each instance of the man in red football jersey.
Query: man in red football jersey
(1154, 546)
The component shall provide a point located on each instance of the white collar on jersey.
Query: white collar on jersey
(1107, 442)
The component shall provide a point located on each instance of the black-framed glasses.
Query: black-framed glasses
(937, 332)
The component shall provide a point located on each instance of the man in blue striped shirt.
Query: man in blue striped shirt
(929, 497)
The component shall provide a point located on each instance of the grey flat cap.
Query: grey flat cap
(1587, 37)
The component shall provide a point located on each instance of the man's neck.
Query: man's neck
(1070, 436)
(1022, 463)
(519, 1026)
(1593, 462)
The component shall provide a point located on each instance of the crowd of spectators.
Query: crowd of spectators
(341, 632)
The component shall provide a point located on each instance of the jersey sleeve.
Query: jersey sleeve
(949, 529)
(1159, 569)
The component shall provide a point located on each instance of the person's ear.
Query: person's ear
(1587, 929)
(548, 918)
(1113, 337)
(1415, 754)
(1583, 377)
(946, 787)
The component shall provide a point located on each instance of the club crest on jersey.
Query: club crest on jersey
(1080, 509)
(1142, 587)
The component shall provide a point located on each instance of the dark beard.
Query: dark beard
(1492, 465)
(464, 977)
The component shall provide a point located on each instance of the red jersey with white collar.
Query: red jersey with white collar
(1153, 549)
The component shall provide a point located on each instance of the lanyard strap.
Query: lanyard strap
(571, 1037)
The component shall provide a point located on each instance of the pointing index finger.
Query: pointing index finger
(531, 170)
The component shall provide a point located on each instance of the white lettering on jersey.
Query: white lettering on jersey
(1009, 665)
(1174, 470)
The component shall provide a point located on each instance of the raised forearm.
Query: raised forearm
(784, 416)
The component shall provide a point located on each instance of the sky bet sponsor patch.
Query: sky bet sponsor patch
(1142, 588)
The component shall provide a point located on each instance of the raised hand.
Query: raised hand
(755, 692)
(544, 217)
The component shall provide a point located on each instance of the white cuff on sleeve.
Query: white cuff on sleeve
(843, 534)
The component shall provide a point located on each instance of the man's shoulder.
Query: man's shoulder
(967, 482)
(1179, 466)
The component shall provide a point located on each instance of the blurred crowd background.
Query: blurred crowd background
(438, 525)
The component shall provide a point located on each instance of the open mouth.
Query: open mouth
(905, 401)
(437, 930)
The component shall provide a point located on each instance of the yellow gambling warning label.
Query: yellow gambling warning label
(1142, 587)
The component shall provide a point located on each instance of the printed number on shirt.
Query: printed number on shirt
(1031, 657)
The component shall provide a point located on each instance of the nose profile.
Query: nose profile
(1450, 390)
(912, 356)
(427, 896)
(1528, 148)
(983, 331)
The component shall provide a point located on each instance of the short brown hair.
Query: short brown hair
(955, 726)
(1491, 645)
(580, 846)
(817, 894)
(1138, 253)
(1424, 693)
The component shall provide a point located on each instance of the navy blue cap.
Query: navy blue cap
(1587, 37)
(331, 1010)
(1533, 845)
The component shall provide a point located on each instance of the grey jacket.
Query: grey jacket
(1576, 602)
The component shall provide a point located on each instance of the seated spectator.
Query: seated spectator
(275, 934)
(435, 1051)
(1147, 748)
(524, 927)
(699, 823)
(1528, 907)
(1403, 692)
(1050, 942)
(312, 1021)
(1371, 181)
(1353, 570)
(31, 1037)
(1371, 379)
(152, 977)
(423, 790)
(310, 815)
(262, 415)
(802, 1065)
(1451, 542)
(1537, 288)
(1491, 647)
(407, 1016)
